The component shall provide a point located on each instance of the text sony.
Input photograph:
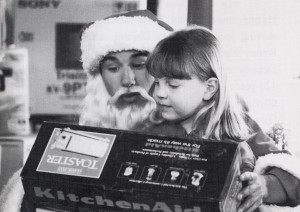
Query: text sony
(41, 4)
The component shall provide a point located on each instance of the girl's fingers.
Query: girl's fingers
(248, 176)
(247, 191)
(250, 203)
(252, 207)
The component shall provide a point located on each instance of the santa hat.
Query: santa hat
(136, 30)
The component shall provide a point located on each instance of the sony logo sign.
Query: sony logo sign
(38, 4)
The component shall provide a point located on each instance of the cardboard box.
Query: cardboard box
(128, 171)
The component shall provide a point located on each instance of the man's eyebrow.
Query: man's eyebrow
(108, 57)
(138, 54)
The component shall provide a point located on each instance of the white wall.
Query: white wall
(173, 12)
(261, 43)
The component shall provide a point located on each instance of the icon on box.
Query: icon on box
(173, 175)
(128, 170)
(196, 178)
(151, 173)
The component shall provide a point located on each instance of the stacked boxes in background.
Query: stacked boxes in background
(14, 92)
(78, 168)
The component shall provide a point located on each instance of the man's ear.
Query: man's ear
(212, 85)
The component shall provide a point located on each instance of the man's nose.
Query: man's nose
(128, 78)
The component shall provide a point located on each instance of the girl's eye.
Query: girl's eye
(172, 85)
(156, 82)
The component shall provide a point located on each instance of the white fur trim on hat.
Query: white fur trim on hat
(118, 34)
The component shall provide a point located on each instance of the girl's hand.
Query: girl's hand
(252, 195)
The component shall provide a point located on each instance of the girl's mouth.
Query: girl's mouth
(163, 106)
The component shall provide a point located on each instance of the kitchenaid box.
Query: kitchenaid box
(79, 168)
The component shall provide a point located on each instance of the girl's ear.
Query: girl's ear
(212, 85)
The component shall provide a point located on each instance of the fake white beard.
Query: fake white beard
(130, 116)
(102, 110)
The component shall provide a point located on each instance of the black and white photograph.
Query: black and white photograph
(172, 73)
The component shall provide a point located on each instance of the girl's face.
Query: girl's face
(180, 99)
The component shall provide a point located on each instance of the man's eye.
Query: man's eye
(138, 65)
(113, 68)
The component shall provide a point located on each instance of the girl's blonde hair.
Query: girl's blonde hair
(194, 51)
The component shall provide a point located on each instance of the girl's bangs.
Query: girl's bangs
(169, 64)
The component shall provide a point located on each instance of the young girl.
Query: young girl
(193, 100)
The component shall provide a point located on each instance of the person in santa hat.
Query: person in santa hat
(114, 52)
(119, 88)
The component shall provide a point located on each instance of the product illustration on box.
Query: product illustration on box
(151, 173)
(197, 178)
(81, 143)
(76, 153)
(173, 175)
(128, 170)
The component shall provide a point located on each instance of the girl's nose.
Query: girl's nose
(128, 78)
(160, 91)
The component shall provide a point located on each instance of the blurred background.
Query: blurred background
(41, 77)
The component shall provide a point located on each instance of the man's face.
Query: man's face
(126, 69)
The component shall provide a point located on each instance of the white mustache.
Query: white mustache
(135, 89)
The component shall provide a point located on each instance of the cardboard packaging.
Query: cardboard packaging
(78, 168)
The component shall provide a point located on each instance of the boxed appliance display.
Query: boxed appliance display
(79, 168)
